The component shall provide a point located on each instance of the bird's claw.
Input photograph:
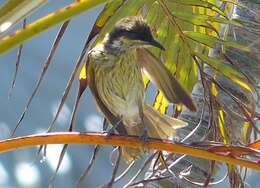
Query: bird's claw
(144, 136)
(110, 131)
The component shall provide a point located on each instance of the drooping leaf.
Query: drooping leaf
(43, 24)
(211, 41)
(226, 70)
(187, 73)
(13, 11)
(203, 19)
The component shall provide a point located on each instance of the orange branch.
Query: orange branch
(102, 139)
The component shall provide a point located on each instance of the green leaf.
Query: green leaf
(227, 70)
(202, 19)
(43, 24)
(201, 3)
(107, 12)
(159, 25)
(14, 11)
(128, 8)
(211, 41)
(187, 73)
(109, 9)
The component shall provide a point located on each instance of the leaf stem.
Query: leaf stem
(45, 23)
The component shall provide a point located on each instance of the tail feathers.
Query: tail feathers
(132, 154)
(159, 126)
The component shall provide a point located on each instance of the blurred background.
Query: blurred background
(22, 168)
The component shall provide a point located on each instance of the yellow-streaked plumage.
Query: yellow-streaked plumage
(115, 79)
(119, 83)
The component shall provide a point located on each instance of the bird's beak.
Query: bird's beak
(155, 43)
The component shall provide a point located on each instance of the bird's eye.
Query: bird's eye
(134, 35)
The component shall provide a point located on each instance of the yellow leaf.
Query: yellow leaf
(161, 103)
(221, 125)
(146, 81)
(244, 132)
(214, 89)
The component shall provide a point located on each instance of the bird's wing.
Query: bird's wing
(116, 121)
(163, 79)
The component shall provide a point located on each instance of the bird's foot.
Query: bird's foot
(144, 137)
(110, 131)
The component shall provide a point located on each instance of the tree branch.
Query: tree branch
(126, 141)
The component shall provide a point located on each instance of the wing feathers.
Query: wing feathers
(163, 79)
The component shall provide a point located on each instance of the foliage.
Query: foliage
(195, 35)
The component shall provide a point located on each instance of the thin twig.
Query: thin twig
(148, 161)
(73, 75)
(156, 161)
(166, 167)
(44, 71)
(17, 64)
(125, 171)
(146, 181)
(62, 154)
(89, 167)
(71, 128)
(209, 175)
(113, 177)
(240, 104)
(169, 167)
(198, 125)
(210, 183)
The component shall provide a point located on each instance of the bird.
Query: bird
(116, 67)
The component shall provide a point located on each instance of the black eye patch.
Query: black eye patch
(138, 35)
(138, 31)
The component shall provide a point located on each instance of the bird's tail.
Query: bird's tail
(159, 126)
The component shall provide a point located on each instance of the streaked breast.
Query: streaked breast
(120, 85)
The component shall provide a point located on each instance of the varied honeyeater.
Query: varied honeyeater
(115, 76)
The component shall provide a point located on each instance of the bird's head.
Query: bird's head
(132, 32)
